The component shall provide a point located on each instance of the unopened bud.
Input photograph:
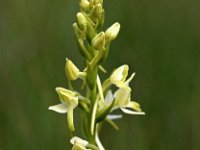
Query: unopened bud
(97, 11)
(79, 33)
(71, 70)
(85, 4)
(96, 2)
(81, 21)
(101, 20)
(99, 41)
(112, 32)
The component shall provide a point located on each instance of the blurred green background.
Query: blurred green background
(160, 40)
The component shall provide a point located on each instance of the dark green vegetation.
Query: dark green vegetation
(160, 40)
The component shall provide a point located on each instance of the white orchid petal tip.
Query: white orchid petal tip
(131, 112)
(60, 108)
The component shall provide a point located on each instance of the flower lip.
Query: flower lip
(130, 112)
(59, 108)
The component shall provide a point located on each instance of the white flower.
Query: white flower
(78, 143)
(69, 101)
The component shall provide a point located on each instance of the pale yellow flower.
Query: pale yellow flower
(69, 101)
(78, 143)
(118, 77)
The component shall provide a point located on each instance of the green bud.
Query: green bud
(85, 5)
(112, 32)
(81, 21)
(101, 21)
(79, 33)
(97, 11)
(96, 2)
(71, 70)
(90, 33)
(99, 41)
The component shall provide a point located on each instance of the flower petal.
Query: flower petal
(79, 141)
(134, 105)
(129, 79)
(109, 97)
(131, 112)
(119, 75)
(122, 96)
(60, 108)
(114, 117)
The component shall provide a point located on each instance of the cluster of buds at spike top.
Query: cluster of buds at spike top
(99, 102)
(88, 22)
(93, 45)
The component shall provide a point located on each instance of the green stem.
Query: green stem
(92, 123)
